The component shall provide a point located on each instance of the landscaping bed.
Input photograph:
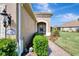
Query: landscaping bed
(38, 45)
(54, 34)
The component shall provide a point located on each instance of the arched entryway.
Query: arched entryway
(41, 27)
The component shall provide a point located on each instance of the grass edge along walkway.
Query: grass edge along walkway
(55, 50)
(69, 41)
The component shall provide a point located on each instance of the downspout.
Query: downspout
(19, 37)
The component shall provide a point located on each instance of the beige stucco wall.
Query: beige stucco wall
(28, 26)
(11, 9)
(46, 19)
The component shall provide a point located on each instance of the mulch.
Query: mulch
(54, 37)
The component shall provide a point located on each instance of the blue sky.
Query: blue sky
(62, 12)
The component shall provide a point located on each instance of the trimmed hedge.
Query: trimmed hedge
(38, 33)
(31, 41)
(40, 45)
(7, 47)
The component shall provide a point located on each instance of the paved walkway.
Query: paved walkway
(55, 50)
(31, 54)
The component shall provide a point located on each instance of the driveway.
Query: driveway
(55, 50)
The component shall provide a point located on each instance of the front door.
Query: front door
(41, 28)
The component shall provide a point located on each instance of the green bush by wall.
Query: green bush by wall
(7, 47)
(40, 45)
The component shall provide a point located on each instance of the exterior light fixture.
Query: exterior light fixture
(7, 19)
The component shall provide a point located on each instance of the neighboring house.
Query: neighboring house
(56, 26)
(70, 26)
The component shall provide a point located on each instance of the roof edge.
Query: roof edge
(27, 7)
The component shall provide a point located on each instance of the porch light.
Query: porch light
(7, 19)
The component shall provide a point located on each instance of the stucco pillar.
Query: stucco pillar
(47, 29)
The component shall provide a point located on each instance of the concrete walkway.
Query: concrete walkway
(55, 50)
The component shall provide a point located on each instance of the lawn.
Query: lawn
(69, 41)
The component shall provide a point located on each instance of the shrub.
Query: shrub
(39, 33)
(56, 32)
(7, 47)
(40, 45)
(31, 41)
(77, 30)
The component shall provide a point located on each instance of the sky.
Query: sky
(62, 12)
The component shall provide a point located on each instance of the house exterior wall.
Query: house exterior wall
(74, 29)
(28, 26)
(11, 9)
(46, 19)
(2, 29)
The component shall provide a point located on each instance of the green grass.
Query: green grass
(69, 41)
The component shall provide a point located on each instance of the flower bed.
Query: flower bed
(55, 35)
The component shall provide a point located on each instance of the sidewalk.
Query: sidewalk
(55, 50)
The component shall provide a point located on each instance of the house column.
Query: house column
(47, 31)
